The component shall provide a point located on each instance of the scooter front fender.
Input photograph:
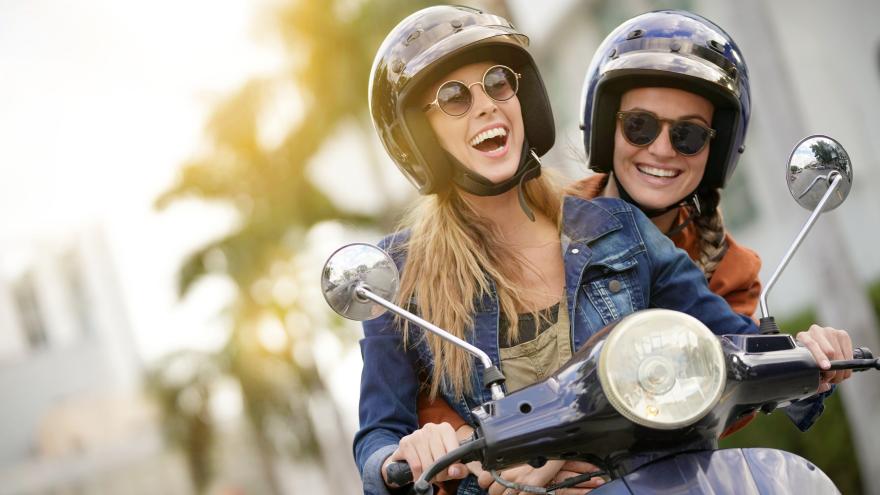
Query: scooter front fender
(757, 471)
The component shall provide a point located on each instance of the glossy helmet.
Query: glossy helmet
(428, 44)
(668, 48)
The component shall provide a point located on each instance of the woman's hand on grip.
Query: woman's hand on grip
(423, 447)
(828, 344)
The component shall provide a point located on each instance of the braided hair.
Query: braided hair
(710, 230)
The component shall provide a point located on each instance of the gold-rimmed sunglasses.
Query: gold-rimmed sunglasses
(454, 98)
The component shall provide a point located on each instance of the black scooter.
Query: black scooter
(647, 398)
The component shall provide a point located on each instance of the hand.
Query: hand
(826, 343)
(423, 447)
(577, 468)
(524, 475)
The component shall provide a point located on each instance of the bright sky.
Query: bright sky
(100, 103)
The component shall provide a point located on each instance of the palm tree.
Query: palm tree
(330, 46)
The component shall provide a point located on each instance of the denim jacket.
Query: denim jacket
(616, 262)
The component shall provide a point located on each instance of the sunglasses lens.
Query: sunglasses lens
(454, 98)
(688, 138)
(640, 128)
(500, 83)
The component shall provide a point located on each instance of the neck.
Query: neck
(505, 212)
(663, 222)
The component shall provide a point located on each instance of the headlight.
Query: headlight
(662, 369)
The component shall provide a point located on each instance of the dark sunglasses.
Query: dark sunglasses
(454, 97)
(642, 128)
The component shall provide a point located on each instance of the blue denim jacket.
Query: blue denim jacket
(616, 262)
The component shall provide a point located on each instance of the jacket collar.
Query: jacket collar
(585, 221)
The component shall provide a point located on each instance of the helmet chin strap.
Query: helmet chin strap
(474, 183)
(690, 199)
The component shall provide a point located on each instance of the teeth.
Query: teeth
(657, 172)
(494, 132)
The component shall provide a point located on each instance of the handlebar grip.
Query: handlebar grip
(399, 473)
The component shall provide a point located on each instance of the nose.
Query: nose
(483, 105)
(662, 146)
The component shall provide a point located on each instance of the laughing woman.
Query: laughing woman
(492, 253)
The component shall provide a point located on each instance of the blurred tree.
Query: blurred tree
(330, 46)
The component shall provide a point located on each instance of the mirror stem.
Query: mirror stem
(834, 178)
(363, 291)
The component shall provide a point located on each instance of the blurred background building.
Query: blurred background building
(74, 418)
(183, 346)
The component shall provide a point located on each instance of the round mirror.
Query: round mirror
(353, 265)
(812, 166)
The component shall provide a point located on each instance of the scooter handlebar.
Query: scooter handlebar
(399, 473)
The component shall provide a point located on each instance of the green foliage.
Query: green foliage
(330, 47)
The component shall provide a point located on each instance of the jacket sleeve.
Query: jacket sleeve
(676, 283)
(387, 408)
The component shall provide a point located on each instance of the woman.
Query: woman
(687, 72)
(490, 254)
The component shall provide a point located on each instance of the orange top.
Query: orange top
(735, 279)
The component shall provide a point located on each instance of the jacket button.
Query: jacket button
(575, 251)
(614, 286)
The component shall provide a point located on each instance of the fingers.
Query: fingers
(591, 483)
(485, 479)
(572, 491)
(443, 440)
(846, 346)
(826, 344)
(423, 447)
(576, 468)
(580, 467)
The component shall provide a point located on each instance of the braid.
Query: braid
(710, 228)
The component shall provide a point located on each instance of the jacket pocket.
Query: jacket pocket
(613, 289)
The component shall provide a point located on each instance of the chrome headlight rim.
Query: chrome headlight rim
(638, 319)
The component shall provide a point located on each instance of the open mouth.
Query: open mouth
(663, 173)
(490, 141)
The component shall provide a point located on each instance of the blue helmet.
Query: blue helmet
(676, 49)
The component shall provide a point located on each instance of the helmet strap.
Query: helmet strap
(476, 184)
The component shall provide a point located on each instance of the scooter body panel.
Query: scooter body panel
(757, 471)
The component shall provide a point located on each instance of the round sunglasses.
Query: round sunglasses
(641, 128)
(454, 98)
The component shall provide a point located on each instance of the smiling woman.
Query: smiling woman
(656, 171)
(492, 253)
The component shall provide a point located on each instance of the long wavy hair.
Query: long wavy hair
(453, 257)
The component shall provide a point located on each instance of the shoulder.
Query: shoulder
(740, 255)
(599, 208)
(602, 215)
(736, 277)
(612, 227)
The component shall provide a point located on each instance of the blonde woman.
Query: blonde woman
(491, 253)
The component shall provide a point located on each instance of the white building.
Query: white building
(73, 415)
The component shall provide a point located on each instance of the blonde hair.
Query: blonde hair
(453, 256)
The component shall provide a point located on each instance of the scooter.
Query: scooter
(647, 398)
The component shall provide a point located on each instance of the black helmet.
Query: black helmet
(675, 49)
(427, 44)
